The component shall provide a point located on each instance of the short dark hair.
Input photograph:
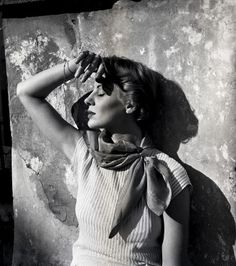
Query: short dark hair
(162, 108)
(140, 84)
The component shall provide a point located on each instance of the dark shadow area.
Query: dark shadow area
(6, 219)
(47, 7)
(212, 225)
(11, 9)
(6, 202)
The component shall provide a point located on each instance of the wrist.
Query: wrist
(69, 68)
(72, 66)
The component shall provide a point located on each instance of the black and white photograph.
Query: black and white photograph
(118, 133)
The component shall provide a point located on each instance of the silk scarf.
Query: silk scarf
(147, 177)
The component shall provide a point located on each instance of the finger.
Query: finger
(100, 72)
(79, 71)
(81, 56)
(83, 66)
(92, 67)
(85, 63)
(86, 75)
(95, 64)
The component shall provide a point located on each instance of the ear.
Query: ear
(130, 108)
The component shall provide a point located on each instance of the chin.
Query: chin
(94, 126)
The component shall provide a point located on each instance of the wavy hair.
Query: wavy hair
(162, 108)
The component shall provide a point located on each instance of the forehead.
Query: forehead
(110, 89)
(107, 87)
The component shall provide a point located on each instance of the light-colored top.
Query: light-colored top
(139, 240)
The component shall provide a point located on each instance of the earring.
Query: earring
(130, 109)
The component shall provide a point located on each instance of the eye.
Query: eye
(100, 91)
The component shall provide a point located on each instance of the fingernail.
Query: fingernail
(77, 73)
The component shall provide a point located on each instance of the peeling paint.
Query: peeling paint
(179, 67)
(208, 45)
(172, 50)
(221, 94)
(30, 53)
(142, 51)
(224, 55)
(196, 88)
(224, 151)
(194, 37)
(206, 4)
(117, 37)
(217, 158)
(32, 163)
(222, 116)
(229, 185)
(151, 52)
(36, 164)
(156, 4)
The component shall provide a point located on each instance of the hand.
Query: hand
(88, 63)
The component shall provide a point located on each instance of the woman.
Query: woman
(133, 200)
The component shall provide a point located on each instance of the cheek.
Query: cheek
(108, 113)
(110, 105)
(112, 108)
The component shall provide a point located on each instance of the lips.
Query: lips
(90, 113)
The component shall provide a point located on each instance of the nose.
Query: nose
(89, 100)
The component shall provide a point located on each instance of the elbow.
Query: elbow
(19, 90)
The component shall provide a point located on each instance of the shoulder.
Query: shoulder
(178, 178)
(85, 141)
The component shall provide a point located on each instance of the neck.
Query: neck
(133, 134)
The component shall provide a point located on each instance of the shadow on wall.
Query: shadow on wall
(6, 218)
(212, 226)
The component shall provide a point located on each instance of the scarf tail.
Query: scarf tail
(146, 173)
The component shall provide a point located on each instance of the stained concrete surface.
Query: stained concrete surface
(191, 42)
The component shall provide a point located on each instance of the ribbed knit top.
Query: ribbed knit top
(139, 240)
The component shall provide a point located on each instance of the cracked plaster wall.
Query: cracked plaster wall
(191, 42)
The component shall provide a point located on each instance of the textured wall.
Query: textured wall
(43, 188)
(191, 42)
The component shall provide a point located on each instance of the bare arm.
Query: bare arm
(176, 226)
(33, 92)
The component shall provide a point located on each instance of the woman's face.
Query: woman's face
(106, 110)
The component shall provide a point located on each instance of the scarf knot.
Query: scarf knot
(147, 177)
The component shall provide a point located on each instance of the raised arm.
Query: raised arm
(33, 92)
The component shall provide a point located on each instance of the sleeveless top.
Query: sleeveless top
(139, 240)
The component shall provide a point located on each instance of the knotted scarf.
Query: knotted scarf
(147, 176)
